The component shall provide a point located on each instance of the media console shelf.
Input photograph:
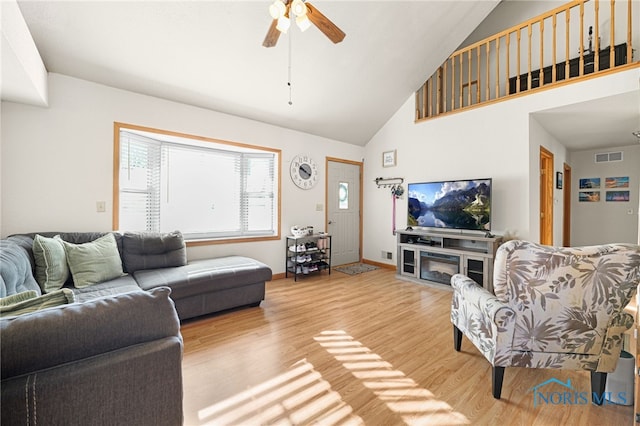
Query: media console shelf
(435, 256)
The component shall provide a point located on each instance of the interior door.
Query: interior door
(344, 203)
(546, 197)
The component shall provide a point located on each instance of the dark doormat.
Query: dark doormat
(355, 268)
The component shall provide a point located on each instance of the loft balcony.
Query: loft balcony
(579, 40)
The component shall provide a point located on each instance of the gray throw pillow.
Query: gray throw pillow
(94, 262)
(149, 250)
(51, 263)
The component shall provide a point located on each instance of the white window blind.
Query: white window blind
(203, 190)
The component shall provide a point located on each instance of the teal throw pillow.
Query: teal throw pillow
(51, 263)
(22, 303)
(94, 262)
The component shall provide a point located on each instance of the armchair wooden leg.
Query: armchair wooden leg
(496, 381)
(598, 382)
(457, 338)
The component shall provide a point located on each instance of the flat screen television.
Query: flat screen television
(453, 204)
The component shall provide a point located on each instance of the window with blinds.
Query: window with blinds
(205, 189)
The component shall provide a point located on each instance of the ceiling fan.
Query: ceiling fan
(305, 15)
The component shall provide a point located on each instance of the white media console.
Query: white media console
(435, 256)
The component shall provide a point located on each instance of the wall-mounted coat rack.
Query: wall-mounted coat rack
(394, 183)
(388, 182)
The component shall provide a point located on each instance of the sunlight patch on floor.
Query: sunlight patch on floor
(415, 405)
(299, 396)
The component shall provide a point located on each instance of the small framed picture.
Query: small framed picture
(589, 196)
(559, 180)
(617, 196)
(389, 158)
(590, 183)
(617, 182)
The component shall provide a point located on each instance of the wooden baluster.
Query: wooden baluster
(478, 74)
(596, 55)
(612, 40)
(541, 74)
(566, 44)
(518, 61)
(554, 50)
(428, 97)
(439, 92)
(444, 87)
(453, 84)
(417, 105)
(507, 65)
(498, 66)
(529, 76)
(469, 76)
(425, 108)
(461, 84)
(581, 71)
(488, 50)
(629, 31)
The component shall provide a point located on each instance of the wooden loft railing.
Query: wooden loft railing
(543, 52)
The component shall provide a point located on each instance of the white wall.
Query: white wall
(57, 162)
(605, 222)
(497, 141)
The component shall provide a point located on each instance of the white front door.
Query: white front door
(343, 210)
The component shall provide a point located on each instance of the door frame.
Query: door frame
(566, 206)
(546, 196)
(360, 165)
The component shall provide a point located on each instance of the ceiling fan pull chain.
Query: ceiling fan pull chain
(289, 80)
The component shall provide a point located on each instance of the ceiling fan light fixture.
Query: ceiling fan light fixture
(283, 24)
(299, 8)
(303, 22)
(277, 9)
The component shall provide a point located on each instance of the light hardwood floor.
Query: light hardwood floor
(364, 349)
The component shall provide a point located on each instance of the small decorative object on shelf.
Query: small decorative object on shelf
(307, 253)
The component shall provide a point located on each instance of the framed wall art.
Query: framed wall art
(589, 183)
(389, 158)
(617, 196)
(559, 180)
(617, 182)
(589, 196)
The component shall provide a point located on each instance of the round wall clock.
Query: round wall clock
(304, 171)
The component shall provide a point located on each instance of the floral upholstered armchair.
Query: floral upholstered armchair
(552, 308)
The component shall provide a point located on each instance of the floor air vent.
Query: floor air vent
(606, 157)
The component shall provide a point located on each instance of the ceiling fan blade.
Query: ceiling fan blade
(272, 35)
(323, 23)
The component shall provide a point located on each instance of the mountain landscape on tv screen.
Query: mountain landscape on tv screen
(468, 208)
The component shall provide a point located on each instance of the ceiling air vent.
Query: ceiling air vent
(606, 157)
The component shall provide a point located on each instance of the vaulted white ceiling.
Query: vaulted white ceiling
(210, 54)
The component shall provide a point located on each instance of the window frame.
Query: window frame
(118, 127)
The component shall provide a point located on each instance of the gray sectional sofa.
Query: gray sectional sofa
(151, 260)
(90, 327)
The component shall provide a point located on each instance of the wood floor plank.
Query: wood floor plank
(363, 349)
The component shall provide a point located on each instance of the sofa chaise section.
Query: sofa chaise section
(210, 285)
